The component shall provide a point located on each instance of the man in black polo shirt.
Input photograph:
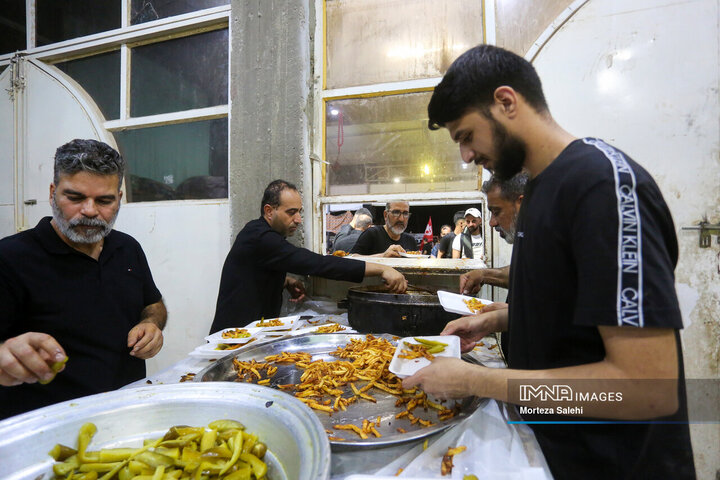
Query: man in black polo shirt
(593, 309)
(389, 240)
(73, 289)
(445, 249)
(256, 269)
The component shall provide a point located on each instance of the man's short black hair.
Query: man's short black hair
(510, 190)
(91, 156)
(271, 195)
(472, 79)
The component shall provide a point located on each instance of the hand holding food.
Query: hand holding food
(29, 358)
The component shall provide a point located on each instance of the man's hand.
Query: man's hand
(444, 378)
(145, 339)
(27, 358)
(394, 280)
(393, 251)
(296, 289)
(472, 328)
(471, 282)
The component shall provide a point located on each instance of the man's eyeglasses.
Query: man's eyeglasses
(397, 213)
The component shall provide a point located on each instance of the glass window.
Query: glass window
(174, 162)
(13, 26)
(180, 74)
(147, 10)
(383, 145)
(2, 68)
(59, 20)
(377, 41)
(99, 75)
(518, 23)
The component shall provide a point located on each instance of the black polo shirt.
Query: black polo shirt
(376, 240)
(88, 306)
(254, 274)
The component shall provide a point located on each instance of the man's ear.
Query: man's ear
(267, 210)
(518, 201)
(52, 191)
(507, 99)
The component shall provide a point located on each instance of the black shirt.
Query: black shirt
(254, 274)
(376, 240)
(347, 241)
(88, 306)
(446, 245)
(594, 235)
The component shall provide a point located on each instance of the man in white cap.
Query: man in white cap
(469, 244)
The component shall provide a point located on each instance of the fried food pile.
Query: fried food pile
(474, 304)
(425, 348)
(236, 333)
(223, 449)
(270, 323)
(324, 384)
(330, 328)
(340, 253)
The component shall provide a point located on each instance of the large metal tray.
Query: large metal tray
(320, 346)
(297, 444)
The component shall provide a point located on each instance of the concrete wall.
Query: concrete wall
(270, 74)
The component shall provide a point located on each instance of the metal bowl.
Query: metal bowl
(297, 445)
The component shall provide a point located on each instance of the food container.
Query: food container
(297, 445)
(372, 309)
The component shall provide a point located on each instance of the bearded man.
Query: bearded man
(74, 290)
(389, 240)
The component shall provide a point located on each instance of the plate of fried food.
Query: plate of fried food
(414, 353)
(462, 304)
(345, 380)
(275, 324)
(414, 254)
(234, 335)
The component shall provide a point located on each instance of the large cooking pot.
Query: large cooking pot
(372, 309)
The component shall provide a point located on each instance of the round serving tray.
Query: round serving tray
(320, 346)
(297, 445)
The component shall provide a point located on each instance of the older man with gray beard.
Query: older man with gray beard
(389, 240)
(78, 299)
(503, 200)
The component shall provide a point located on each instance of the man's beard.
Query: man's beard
(509, 234)
(510, 152)
(397, 228)
(474, 232)
(77, 236)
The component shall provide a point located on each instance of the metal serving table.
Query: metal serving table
(495, 448)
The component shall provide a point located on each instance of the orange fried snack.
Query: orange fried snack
(415, 350)
(474, 304)
(447, 462)
(236, 333)
(270, 323)
(340, 253)
(331, 328)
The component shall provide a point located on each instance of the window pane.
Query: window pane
(520, 22)
(12, 26)
(59, 20)
(181, 74)
(376, 41)
(100, 77)
(184, 161)
(147, 10)
(383, 145)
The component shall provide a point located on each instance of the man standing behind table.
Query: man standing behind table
(445, 248)
(503, 200)
(592, 296)
(469, 244)
(389, 240)
(348, 234)
(256, 269)
(73, 289)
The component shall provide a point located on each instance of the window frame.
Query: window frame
(130, 36)
(322, 96)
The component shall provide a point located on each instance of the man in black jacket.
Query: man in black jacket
(256, 268)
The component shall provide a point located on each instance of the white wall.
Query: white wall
(186, 244)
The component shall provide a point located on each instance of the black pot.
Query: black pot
(372, 309)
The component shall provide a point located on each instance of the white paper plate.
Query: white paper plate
(403, 367)
(414, 255)
(289, 323)
(218, 338)
(209, 350)
(314, 328)
(455, 303)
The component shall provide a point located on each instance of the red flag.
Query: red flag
(428, 237)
